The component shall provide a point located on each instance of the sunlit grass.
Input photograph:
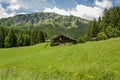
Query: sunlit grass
(98, 60)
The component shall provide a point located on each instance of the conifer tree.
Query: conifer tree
(2, 37)
(11, 38)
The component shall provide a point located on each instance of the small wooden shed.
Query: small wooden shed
(62, 39)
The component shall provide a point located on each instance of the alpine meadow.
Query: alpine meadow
(100, 61)
(54, 40)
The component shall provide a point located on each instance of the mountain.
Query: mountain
(50, 23)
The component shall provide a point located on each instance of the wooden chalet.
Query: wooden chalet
(62, 39)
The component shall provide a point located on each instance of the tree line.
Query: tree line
(10, 37)
(50, 23)
(107, 26)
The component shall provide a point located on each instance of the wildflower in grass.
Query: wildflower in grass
(116, 71)
(14, 67)
(89, 76)
(76, 74)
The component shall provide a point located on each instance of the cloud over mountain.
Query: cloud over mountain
(83, 11)
(88, 9)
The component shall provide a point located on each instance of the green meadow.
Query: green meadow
(98, 60)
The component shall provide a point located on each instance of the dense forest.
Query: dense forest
(50, 23)
(107, 26)
(10, 37)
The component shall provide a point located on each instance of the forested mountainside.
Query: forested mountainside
(107, 26)
(51, 23)
(30, 29)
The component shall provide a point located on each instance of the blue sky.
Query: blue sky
(87, 9)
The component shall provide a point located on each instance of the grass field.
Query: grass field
(99, 60)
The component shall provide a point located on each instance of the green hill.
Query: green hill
(50, 23)
(99, 60)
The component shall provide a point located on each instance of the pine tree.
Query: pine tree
(37, 36)
(2, 37)
(19, 40)
(106, 19)
(93, 29)
(41, 37)
(33, 37)
(11, 38)
(26, 40)
(7, 42)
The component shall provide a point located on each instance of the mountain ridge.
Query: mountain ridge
(51, 23)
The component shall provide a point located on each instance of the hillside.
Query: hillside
(50, 23)
(98, 60)
(107, 26)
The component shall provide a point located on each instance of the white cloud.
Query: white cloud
(14, 7)
(4, 14)
(10, 10)
(9, 1)
(103, 4)
(80, 11)
(83, 11)
(13, 1)
(57, 10)
(86, 12)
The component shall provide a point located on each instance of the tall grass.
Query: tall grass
(98, 60)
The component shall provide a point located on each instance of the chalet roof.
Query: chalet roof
(61, 35)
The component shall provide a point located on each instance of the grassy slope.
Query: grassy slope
(92, 60)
